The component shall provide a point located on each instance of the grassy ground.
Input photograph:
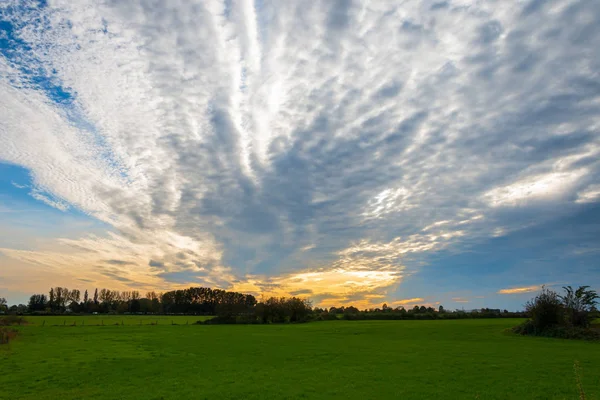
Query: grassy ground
(465, 359)
(99, 320)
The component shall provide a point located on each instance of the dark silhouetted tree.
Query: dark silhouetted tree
(37, 302)
(579, 305)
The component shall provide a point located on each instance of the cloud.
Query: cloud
(520, 290)
(536, 187)
(62, 206)
(591, 194)
(413, 301)
(460, 300)
(19, 186)
(344, 285)
(118, 262)
(282, 144)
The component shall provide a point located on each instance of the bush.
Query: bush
(9, 320)
(7, 334)
(561, 332)
(545, 310)
(566, 317)
(579, 305)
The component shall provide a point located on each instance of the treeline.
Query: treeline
(203, 301)
(199, 301)
(229, 307)
(417, 312)
(226, 306)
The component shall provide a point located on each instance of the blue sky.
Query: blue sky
(354, 153)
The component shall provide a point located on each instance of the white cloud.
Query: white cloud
(589, 195)
(544, 186)
(19, 186)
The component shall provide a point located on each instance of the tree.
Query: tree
(85, 297)
(441, 309)
(135, 306)
(96, 296)
(52, 299)
(57, 298)
(17, 309)
(579, 305)
(349, 310)
(37, 302)
(61, 296)
(74, 296)
(3, 306)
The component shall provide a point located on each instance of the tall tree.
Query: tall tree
(96, 296)
(85, 297)
(52, 299)
(37, 302)
(58, 296)
(74, 296)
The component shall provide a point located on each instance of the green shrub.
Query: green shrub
(560, 332)
(545, 310)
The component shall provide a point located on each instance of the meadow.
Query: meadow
(449, 359)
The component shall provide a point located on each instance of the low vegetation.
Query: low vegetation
(567, 316)
(7, 333)
(128, 358)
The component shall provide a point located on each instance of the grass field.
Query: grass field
(464, 359)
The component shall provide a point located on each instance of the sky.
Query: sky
(350, 152)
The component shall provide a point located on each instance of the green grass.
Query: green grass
(114, 320)
(464, 359)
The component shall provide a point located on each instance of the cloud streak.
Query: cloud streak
(520, 290)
